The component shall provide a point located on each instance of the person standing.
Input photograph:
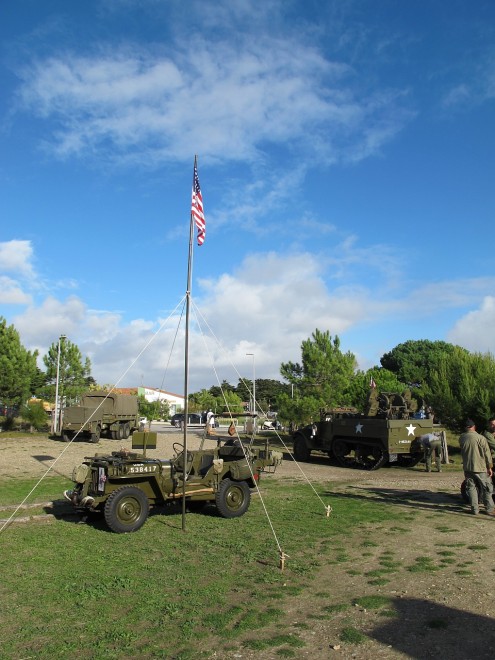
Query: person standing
(210, 423)
(477, 464)
(432, 444)
(489, 434)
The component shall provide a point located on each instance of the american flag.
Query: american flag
(197, 207)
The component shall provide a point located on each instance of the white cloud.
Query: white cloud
(247, 312)
(11, 292)
(474, 331)
(223, 100)
(458, 95)
(42, 325)
(15, 257)
(268, 306)
(477, 85)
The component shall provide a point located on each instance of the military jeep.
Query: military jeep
(124, 484)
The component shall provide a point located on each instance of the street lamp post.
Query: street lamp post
(254, 391)
(57, 407)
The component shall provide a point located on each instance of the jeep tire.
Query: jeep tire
(232, 498)
(126, 509)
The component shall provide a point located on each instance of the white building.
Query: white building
(175, 401)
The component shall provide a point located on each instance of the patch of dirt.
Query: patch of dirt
(437, 568)
(37, 455)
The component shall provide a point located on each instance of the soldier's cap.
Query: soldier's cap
(469, 423)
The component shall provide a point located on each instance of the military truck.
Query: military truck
(101, 413)
(123, 485)
(387, 432)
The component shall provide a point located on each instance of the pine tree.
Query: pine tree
(321, 380)
(17, 368)
(74, 373)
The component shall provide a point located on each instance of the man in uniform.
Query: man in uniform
(432, 444)
(489, 435)
(477, 464)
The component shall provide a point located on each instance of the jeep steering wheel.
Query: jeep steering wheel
(178, 447)
(179, 459)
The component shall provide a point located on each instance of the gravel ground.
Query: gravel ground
(35, 455)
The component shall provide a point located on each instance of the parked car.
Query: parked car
(193, 419)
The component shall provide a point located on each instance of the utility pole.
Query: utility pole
(55, 422)
(253, 410)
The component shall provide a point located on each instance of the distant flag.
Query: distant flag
(372, 383)
(197, 207)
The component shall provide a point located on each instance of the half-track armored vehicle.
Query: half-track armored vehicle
(124, 485)
(387, 432)
(101, 413)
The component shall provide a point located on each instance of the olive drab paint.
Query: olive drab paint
(387, 432)
(124, 485)
(101, 413)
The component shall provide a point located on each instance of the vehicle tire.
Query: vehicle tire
(232, 498)
(126, 509)
(343, 453)
(373, 458)
(408, 460)
(120, 431)
(127, 430)
(301, 451)
(95, 437)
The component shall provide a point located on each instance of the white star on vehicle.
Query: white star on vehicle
(410, 429)
(359, 428)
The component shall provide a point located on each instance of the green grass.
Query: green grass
(14, 491)
(338, 607)
(379, 581)
(372, 602)
(68, 588)
(423, 565)
(352, 635)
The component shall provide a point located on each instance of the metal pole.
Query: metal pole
(186, 359)
(254, 392)
(55, 425)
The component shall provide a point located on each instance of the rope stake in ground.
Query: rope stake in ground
(283, 557)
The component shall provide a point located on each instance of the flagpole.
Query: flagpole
(186, 358)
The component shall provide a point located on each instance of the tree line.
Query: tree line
(21, 379)
(455, 382)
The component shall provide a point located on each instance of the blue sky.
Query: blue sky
(346, 159)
